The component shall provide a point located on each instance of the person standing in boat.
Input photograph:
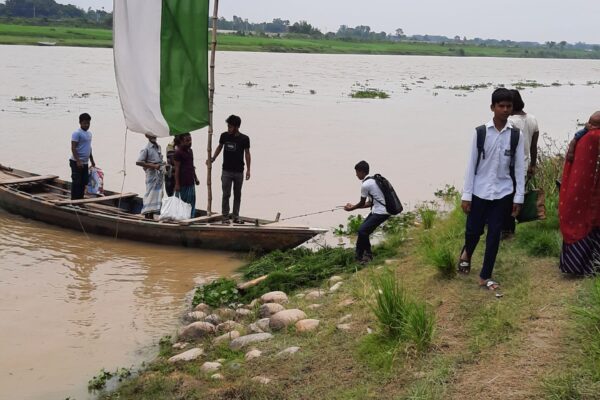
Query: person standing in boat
(185, 172)
(170, 166)
(236, 147)
(151, 160)
(81, 154)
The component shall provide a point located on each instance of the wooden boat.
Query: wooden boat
(46, 43)
(47, 198)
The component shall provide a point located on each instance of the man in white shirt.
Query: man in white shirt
(370, 196)
(488, 190)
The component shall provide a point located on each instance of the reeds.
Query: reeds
(399, 317)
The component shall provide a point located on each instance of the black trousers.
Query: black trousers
(492, 213)
(79, 180)
(363, 244)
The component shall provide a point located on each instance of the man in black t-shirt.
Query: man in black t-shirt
(235, 146)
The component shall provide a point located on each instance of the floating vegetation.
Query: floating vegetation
(363, 91)
(24, 98)
(369, 94)
(250, 84)
(592, 83)
(99, 381)
(290, 92)
(81, 96)
(292, 85)
(470, 88)
(313, 91)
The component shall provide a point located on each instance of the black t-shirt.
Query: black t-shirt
(233, 151)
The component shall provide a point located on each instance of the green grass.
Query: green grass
(582, 377)
(64, 36)
(400, 317)
(95, 37)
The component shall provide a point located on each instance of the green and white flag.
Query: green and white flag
(161, 64)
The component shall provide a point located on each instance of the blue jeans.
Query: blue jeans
(493, 213)
(363, 245)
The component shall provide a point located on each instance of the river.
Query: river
(71, 305)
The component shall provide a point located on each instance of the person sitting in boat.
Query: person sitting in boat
(236, 147)
(170, 167)
(81, 154)
(151, 160)
(185, 172)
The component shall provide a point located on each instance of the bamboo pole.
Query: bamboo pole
(211, 99)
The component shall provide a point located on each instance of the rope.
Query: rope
(81, 224)
(314, 213)
(124, 171)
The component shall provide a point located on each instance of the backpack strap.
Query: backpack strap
(514, 142)
(481, 132)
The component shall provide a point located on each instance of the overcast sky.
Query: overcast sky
(521, 20)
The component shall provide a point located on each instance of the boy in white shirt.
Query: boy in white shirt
(492, 176)
(370, 196)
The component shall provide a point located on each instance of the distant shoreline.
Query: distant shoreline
(94, 37)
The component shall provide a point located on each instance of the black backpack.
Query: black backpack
(514, 142)
(392, 202)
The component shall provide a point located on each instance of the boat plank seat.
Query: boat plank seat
(206, 218)
(95, 199)
(30, 179)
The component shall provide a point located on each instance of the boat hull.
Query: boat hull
(238, 237)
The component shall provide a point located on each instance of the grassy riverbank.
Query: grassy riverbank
(520, 341)
(406, 327)
(89, 37)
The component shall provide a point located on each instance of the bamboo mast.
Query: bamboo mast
(211, 99)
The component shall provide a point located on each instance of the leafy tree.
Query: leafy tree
(304, 28)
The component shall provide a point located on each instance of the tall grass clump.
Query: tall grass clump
(399, 317)
(440, 247)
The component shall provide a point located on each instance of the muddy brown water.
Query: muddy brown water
(71, 305)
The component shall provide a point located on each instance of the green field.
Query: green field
(88, 37)
(63, 36)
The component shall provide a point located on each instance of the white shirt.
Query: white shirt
(370, 189)
(493, 180)
(528, 126)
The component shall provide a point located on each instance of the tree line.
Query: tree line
(46, 10)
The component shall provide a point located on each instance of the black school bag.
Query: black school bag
(393, 205)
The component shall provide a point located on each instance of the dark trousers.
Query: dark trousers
(228, 179)
(510, 223)
(493, 213)
(79, 180)
(363, 244)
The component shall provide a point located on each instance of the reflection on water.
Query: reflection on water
(69, 306)
(72, 305)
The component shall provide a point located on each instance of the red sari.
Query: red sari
(579, 206)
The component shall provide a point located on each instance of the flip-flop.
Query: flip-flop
(492, 286)
(464, 267)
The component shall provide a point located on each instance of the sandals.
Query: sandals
(464, 266)
(492, 286)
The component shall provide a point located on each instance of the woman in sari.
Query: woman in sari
(579, 205)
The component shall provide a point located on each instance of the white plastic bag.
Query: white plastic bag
(174, 209)
(96, 181)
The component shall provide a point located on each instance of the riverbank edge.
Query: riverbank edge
(93, 37)
(493, 336)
